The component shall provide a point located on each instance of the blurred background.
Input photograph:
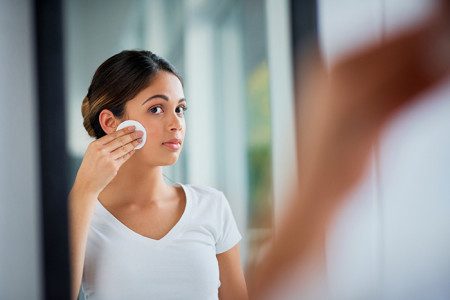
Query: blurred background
(390, 241)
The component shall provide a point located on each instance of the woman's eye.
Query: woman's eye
(156, 110)
(181, 109)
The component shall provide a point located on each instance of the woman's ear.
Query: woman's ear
(108, 121)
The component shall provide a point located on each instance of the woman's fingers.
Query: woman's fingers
(101, 164)
(112, 136)
(122, 140)
(125, 149)
(124, 158)
(120, 143)
(374, 83)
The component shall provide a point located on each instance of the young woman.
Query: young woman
(132, 235)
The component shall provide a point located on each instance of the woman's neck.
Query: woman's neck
(136, 183)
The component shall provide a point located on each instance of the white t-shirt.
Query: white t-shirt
(122, 264)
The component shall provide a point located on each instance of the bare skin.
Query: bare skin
(342, 114)
(129, 183)
(104, 156)
(231, 276)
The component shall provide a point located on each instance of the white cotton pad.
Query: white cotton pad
(139, 127)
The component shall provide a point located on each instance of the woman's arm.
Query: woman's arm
(100, 165)
(81, 208)
(344, 110)
(232, 279)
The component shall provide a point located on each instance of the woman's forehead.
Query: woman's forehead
(164, 86)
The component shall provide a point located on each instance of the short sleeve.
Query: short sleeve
(229, 234)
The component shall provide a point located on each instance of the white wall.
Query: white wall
(93, 32)
(201, 132)
(216, 120)
(284, 158)
(20, 253)
(391, 240)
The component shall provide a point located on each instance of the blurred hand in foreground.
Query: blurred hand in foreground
(342, 112)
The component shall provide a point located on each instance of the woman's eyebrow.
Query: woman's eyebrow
(164, 97)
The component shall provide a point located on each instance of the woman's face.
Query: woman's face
(160, 109)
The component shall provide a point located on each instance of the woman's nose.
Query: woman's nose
(175, 123)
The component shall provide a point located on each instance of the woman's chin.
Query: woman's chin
(163, 162)
(171, 161)
(153, 160)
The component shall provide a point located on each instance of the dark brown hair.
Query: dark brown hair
(119, 79)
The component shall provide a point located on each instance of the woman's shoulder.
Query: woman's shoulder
(204, 195)
(203, 190)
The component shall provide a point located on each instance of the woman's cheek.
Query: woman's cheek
(152, 135)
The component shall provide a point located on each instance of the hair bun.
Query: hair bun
(86, 113)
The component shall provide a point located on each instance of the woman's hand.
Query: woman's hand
(104, 157)
(100, 165)
(343, 110)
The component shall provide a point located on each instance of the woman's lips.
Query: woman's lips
(174, 144)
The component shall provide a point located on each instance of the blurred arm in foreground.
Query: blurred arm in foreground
(343, 110)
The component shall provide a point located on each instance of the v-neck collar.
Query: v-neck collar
(173, 233)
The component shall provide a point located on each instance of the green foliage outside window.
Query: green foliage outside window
(259, 146)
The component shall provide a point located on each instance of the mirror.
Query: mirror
(221, 50)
